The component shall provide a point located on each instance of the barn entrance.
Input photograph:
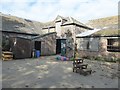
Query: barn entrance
(21, 47)
(38, 45)
(58, 46)
(61, 46)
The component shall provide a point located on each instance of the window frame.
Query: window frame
(111, 47)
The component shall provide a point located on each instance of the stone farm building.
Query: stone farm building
(23, 47)
(101, 42)
(63, 24)
(50, 36)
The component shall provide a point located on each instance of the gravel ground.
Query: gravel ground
(47, 72)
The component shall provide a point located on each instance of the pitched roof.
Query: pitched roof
(48, 24)
(87, 33)
(23, 33)
(13, 23)
(98, 32)
(67, 21)
(108, 26)
(71, 20)
(17, 24)
(59, 18)
(40, 36)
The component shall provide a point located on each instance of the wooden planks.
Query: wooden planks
(7, 56)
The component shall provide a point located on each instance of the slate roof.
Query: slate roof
(13, 23)
(87, 33)
(40, 36)
(71, 20)
(98, 32)
(68, 20)
(17, 24)
(48, 24)
(108, 27)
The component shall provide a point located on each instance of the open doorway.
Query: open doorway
(38, 45)
(61, 46)
(58, 46)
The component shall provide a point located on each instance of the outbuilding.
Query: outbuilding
(23, 44)
(103, 43)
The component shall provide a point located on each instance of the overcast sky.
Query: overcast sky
(47, 10)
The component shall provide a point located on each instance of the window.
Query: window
(113, 45)
(90, 44)
(82, 43)
(94, 44)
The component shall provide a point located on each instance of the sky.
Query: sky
(47, 10)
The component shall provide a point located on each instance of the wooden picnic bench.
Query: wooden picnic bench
(80, 67)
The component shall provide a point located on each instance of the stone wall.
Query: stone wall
(102, 52)
(48, 44)
(66, 28)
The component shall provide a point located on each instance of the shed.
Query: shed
(17, 42)
(23, 47)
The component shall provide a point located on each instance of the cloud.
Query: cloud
(46, 10)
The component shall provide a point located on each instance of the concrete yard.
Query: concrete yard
(47, 72)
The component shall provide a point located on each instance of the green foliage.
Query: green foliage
(71, 59)
(110, 59)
